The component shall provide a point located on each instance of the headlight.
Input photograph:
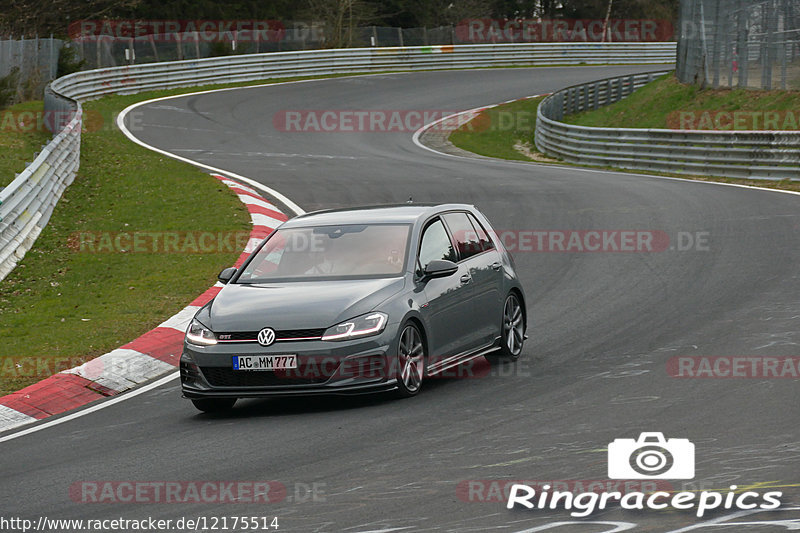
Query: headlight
(363, 326)
(197, 333)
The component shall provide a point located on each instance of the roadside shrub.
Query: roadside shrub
(8, 88)
(68, 61)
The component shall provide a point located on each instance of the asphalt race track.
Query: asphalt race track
(603, 327)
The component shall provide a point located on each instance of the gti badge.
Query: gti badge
(266, 336)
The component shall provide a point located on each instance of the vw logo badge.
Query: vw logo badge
(266, 336)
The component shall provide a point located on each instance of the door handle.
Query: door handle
(466, 278)
(496, 265)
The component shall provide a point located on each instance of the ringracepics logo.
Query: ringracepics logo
(651, 457)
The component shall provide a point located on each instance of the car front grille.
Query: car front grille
(280, 335)
(227, 377)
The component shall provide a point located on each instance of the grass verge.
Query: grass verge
(496, 131)
(22, 136)
(507, 131)
(62, 306)
(659, 104)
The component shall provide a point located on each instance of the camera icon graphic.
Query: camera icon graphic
(651, 456)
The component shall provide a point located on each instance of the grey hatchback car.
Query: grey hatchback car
(356, 300)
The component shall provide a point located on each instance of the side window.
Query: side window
(435, 244)
(466, 236)
(486, 242)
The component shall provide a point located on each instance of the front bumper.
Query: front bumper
(323, 367)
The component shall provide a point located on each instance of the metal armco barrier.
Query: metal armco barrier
(28, 201)
(734, 154)
(26, 204)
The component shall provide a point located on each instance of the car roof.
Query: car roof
(374, 214)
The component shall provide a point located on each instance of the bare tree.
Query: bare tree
(341, 18)
(26, 17)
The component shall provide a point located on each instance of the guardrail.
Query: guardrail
(26, 204)
(735, 154)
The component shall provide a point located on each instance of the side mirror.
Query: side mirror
(226, 275)
(439, 268)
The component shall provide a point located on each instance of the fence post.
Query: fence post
(783, 50)
(53, 62)
(152, 40)
(742, 52)
(21, 56)
(716, 57)
(586, 97)
(36, 52)
(767, 52)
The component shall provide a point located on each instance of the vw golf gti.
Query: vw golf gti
(356, 300)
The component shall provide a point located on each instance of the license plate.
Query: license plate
(264, 362)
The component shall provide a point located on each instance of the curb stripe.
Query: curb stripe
(268, 211)
(11, 418)
(121, 369)
(149, 356)
(163, 344)
(51, 396)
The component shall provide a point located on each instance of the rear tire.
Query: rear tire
(214, 405)
(410, 361)
(512, 335)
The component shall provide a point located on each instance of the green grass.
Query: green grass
(658, 104)
(21, 136)
(61, 306)
(495, 132)
(649, 107)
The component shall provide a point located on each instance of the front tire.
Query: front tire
(214, 405)
(410, 361)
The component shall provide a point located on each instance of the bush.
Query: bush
(8, 88)
(68, 61)
(224, 48)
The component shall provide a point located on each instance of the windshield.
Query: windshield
(330, 252)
